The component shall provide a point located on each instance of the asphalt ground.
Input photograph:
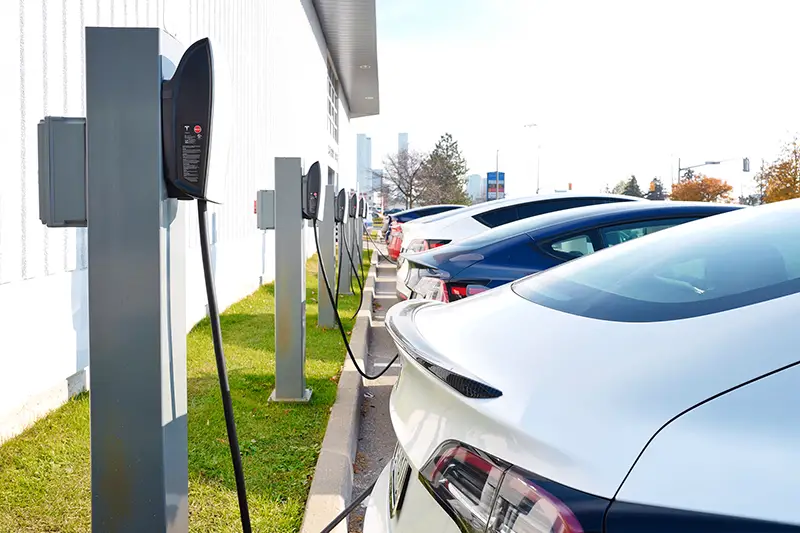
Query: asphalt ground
(376, 439)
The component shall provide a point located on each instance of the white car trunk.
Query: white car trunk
(580, 397)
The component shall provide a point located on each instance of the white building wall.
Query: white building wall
(277, 59)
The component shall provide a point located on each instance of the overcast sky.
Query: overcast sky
(617, 87)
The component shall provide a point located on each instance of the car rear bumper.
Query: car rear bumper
(376, 519)
(402, 289)
(419, 511)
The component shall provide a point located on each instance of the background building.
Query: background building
(402, 142)
(474, 190)
(377, 184)
(364, 162)
(294, 95)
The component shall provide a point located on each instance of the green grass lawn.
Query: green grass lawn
(45, 474)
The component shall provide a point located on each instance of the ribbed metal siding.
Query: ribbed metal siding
(50, 80)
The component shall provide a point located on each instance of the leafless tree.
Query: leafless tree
(404, 177)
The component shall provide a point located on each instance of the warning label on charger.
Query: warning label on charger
(192, 152)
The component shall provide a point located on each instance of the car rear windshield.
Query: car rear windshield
(505, 215)
(719, 263)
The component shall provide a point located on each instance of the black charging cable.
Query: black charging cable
(376, 246)
(224, 386)
(349, 509)
(340, 229)
(358, 280)
(339, 319)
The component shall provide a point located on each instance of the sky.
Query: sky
(616, 88)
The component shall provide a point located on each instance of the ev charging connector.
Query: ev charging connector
(362, 215)
(355, 231)
(345, 278)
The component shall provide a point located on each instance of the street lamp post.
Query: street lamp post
(745, 165)
(538, 155)
(496, 177)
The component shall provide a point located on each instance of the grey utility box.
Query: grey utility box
(265, 209)
(62, 172)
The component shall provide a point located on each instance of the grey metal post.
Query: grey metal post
(345, 268)
(352, 239)
(326, 317)
(137, 323)
(290, 284)
(361, 228)
(360, 235)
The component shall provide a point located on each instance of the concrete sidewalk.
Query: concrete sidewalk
(376, 439)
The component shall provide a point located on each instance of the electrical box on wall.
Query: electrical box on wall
(62, 172)
(265, 210)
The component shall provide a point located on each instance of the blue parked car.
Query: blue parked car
(512, 251)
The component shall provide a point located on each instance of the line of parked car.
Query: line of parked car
(594, 363)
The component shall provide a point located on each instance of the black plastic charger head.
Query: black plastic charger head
(311, 184)
(352, 205)
(186, 116)
(341, 204)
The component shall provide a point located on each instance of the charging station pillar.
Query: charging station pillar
(326, 317)
(345, 267)
(353, 240)
(290, 284)
(137, 293)
(360, 232)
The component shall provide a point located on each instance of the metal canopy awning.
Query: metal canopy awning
(350, 31)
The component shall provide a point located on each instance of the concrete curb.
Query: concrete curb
(332, 486)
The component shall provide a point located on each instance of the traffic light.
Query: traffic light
(746, 164)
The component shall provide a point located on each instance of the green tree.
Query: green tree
(656, 191)
(619, 188)
(632, 188)
(445, 174)
(750, 199)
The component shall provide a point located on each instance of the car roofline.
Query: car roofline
(575, 214)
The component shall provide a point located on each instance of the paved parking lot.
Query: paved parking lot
(376, 440)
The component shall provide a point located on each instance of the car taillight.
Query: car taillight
(458, 291)
(420, 245)
(430, 244)
(522, 505)
(417, 245)
(483, 493)
(475, 289)
(464, 481)
(439, 291)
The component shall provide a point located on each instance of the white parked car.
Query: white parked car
(437, 230)
(652, 386)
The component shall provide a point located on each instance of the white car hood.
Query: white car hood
(580, 397)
